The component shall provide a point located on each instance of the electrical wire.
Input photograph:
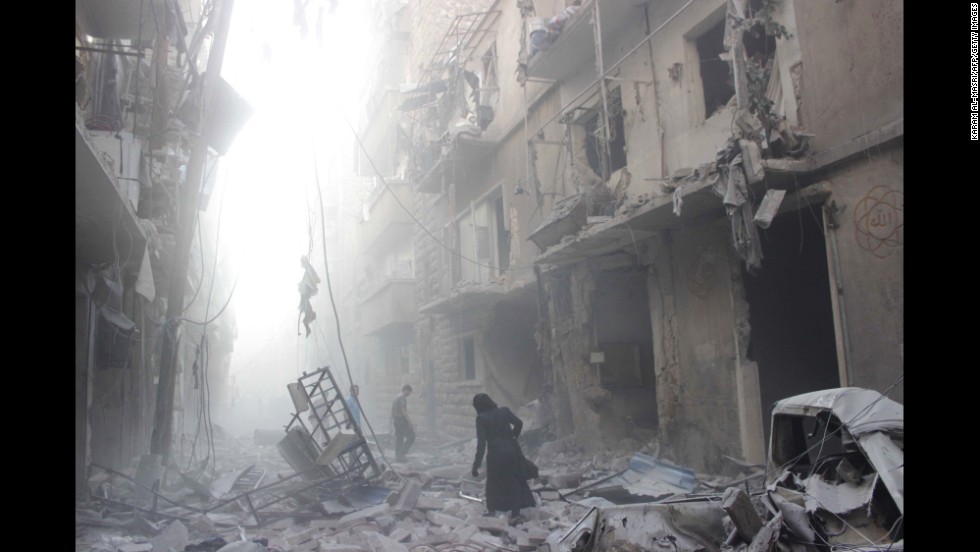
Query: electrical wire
(333, 303)
(860, 413)
(203, 357)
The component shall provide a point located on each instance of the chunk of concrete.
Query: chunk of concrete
(765, 539)
(363, 515)
(487, 523)
(518, 535)
(464, 533)
(385, 522)
(739, 508)
(142, 547)
(202, 524)
(381, 543)
(174, 536)
(243, 546)
(487, 540)
(399, 534)
(325, 546)
(424, 502)
(439, 518)
(303, 536)
(407, 496)
(537, 535)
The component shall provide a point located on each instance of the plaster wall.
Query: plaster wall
(871, 247)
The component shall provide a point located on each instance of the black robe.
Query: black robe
(496, 432)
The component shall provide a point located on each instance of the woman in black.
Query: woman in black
(497, 430)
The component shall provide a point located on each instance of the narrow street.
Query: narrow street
(475, 275)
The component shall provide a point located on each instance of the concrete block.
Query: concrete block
(365, 529)
(242, 546)
(381, 543)
(202, 524)
(408, 495)
(363, 515)
(439, 518)
(174, 536)
(739, 508)
(537, 535)
(308, 546)
(321, 523)
(429, 503)
(303, 536)
(487, 540)
(387, 523)
(144, 547)
(338, 547)
(518, 535)
(463, 534)
(486, 523)
(399, 534)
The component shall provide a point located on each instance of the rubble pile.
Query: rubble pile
(834, 479)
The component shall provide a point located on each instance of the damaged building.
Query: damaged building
(138, 88)
(651, 212)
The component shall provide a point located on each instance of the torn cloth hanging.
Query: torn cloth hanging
(739, 208)
(307, 289)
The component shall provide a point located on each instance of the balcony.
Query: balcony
(388, 223)
(389, 309)
(106, 226)
(700, 202)
(461, 155)
(465, 296)
(118, 19)
(574, 48)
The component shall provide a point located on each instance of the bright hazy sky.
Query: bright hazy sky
(296, 88)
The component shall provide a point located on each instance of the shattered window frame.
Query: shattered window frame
(466, 374)
(696, 38)
(596, 157)
(471, 241)
(489, 79)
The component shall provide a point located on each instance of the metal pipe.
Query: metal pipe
(643, 41)
(139, 44)
(110, 51)
(832, 225)
(606, 163)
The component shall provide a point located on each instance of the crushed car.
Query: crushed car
(834, 480)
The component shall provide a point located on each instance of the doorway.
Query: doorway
(793, 339)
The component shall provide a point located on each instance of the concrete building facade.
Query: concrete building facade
(135, 113)
(667, 214)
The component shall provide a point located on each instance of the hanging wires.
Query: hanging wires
(333, 303)
(857, 416)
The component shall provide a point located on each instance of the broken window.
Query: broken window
(489, 93)
(717, 80)
(808, 444)
(483, 238)
(469, 358)
(503, 237)
(602, 161)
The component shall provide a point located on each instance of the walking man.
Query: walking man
(404, 427)
(353, 403)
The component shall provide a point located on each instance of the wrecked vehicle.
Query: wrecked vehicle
(839, 455)
(835, 481)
